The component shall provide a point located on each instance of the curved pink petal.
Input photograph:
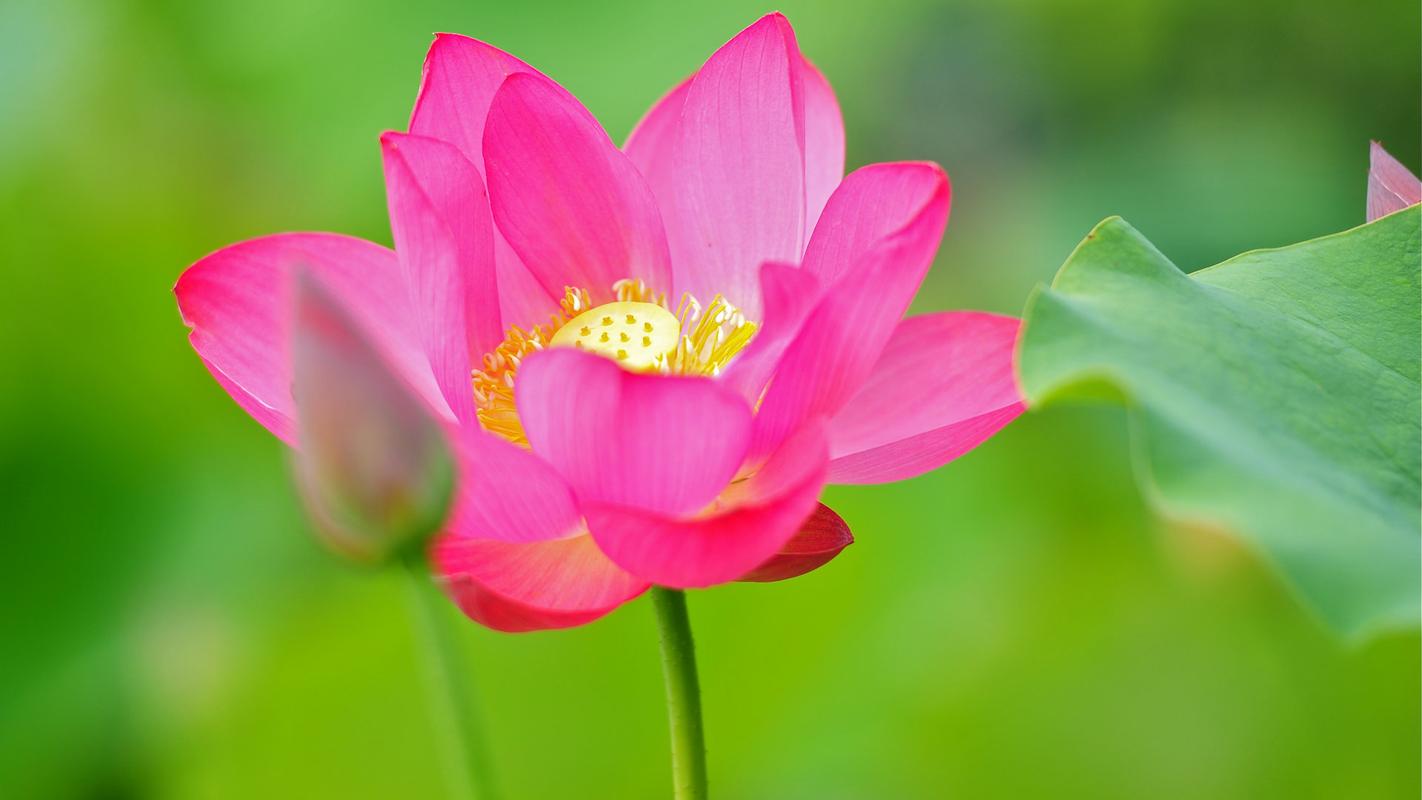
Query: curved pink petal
(663, 443)
(1391, 186)
(789, 295)
(824, 144)
(843, 336)
(277, 421)
(535, 586)
(570, 203)
(457, 87)
(506, 493)
(943, 385)
(751, 524)
(820, 539)
(237, 301)
(444, 237)
(461, 76)
(874, 202)
(740, 168)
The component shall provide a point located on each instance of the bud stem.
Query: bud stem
(688, 743)
(464, 745)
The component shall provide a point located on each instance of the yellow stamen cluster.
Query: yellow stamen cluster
(493, 384)
(716, 334)
(639, 330)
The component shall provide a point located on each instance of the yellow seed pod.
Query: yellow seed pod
(636, 335)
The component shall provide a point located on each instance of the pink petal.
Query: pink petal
(838, 344)
(460, 78)
(439, 214)
(237, 301)
(506, 493)
(871, 204)
(740, 166)
(536, 586)
(789, 295)
(824, 144)
(652, 144)
(373, 465)
(663, 443)
(522, 299)
(570, 203)
(279, 422)
(801, 142)
(1391, 186)
(943, 385)
(751, 524)
(820, 538)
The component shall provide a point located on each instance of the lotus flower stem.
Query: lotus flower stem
(463, 741)
(688, 743)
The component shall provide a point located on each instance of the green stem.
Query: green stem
(688, 743)
(450, 689)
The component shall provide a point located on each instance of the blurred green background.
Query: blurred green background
(1018, 624)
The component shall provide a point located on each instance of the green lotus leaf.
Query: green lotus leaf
(1275, 395)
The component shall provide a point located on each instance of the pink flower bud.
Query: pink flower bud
(372, 463)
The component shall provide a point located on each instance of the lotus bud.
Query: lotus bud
(372, 463)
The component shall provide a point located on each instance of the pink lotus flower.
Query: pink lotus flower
(673, 346)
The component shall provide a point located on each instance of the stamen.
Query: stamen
(493, 385)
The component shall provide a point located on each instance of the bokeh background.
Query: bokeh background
(1018, 624)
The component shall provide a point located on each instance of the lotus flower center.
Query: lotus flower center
(639, 330)
(637, 335)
